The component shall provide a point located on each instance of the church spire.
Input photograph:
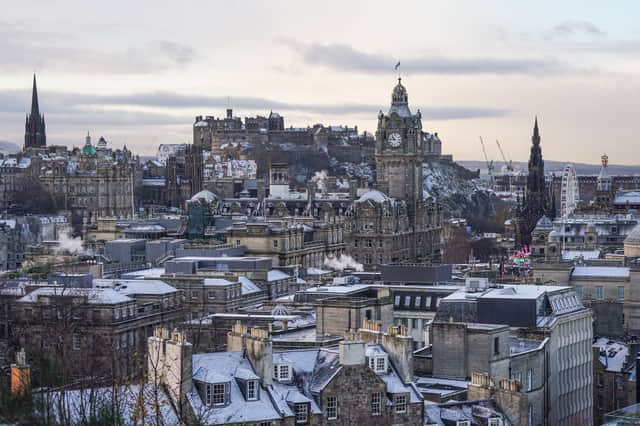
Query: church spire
(35, 108)
(35, 134)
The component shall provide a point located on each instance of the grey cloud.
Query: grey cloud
(571, 27)
(343, 57)
(25, 50)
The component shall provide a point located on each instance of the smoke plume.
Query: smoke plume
(343, 262)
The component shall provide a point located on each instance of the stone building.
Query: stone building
(538, 335)
(98, 331)
(396, 223)
(608, 289)
(93, 182)
(290, 241)
(252, 383)
(614, 376)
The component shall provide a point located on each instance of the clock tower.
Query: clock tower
(399, 153)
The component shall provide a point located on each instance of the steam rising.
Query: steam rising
(68, 244)
(319, 178)
(343, 262)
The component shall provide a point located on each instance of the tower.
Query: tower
(398, 152)
(34, 129)
(604, 187)
(537, 201)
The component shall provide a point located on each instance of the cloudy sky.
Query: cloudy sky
(137, 72)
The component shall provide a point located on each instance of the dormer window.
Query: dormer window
(217, 393)
(252, 390)
(378, 364)
(282, 372)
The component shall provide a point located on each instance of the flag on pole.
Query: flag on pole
(397, 66)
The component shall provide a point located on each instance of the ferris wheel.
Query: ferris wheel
(570, 192)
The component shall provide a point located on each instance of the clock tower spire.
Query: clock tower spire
(398, 152)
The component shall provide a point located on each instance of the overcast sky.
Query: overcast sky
(137, 72)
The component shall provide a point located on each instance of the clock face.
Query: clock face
(394, 139)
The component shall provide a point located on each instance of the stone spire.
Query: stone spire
(35, 108)
(35, 133)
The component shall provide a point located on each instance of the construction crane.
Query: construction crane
(507, 163)
(489, 164)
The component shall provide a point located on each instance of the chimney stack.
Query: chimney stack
(20, 375)
(352, 352)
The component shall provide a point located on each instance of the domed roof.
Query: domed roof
(202, 123)
(634, 236)
(400, 101)
(375, 196)
(544, 223)
(554, 234)
(207, 195)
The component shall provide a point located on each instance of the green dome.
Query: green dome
(89, 150)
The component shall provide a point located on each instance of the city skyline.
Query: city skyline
(535, 61)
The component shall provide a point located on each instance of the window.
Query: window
(302, 412)
(252, 390)
(437, 302)
(237, 243)
(427, 302)
(463, 423)
(621, 292)
(496, 346)
(407, 301)
(396, 301)
(194, 295)
(376, 403)
(281, 372)
(529, 380)
(495, 422)
(212, 295)
(332, 408)
(414, 324)
(216, 393)
(75, 342)
(599, 292)
(417, 301)
(401, 403)
(275, 243)
(578, 289)
(380, 364)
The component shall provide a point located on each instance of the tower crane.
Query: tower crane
(489, 164)
(507, 163)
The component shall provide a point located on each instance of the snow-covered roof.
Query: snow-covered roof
(225, 367)
(600, 271)
(208, 196)
(585, 254)
(375, 196)
(216, 282)
(627, 197)
(248, 286)
(136, 287)
(612, 354)
(99, 296)
(276, 275)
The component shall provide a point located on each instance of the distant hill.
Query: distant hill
(555, 167)
(7, 147)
